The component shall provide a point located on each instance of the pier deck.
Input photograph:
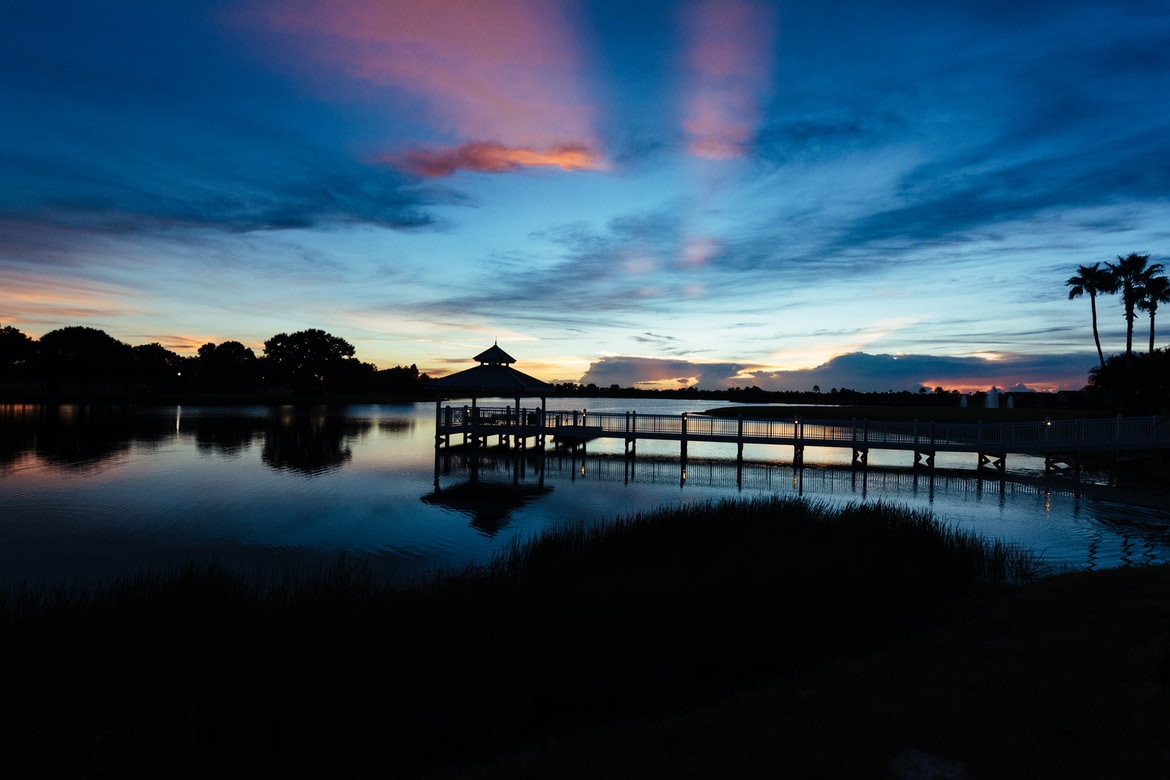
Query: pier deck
(1060, 442)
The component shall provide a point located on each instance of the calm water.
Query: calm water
(89, 492)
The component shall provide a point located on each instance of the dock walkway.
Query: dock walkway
(1060, 442)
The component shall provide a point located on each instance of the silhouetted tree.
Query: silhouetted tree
(1131, 274)
(85, 356)
(228, 366)
(1138, 385)
(399, 380)
(308, 359)
(156, 365)
(16, 350)
(1157, 290)
(353, 376)
(1091, 280)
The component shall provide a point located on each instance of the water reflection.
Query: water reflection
(228, 435)
(726, 475)
(73, 436)
(306, 441)
(98, 491)
(489, 504)
(1052, 516)
(310, 443)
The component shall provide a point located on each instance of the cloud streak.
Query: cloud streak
(506, 79)
(495, 158)
(728, 59)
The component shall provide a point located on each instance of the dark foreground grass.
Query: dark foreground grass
(733, 638)
(1064, 678)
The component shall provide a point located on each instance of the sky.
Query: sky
(875, 195)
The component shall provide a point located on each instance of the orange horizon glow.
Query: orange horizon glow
(48, 299)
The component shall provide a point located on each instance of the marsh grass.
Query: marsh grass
(333, 673)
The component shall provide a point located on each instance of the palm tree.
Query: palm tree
(1131, 275)
(1157, 290)
(1091, 280)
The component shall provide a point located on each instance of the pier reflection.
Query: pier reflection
(489, 504)
(520, 466)
(492, 484)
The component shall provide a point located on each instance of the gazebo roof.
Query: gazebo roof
(494, 355)
(493, 376)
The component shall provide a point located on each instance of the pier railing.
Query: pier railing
(1043, 436)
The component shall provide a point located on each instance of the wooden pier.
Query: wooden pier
(1060, 442)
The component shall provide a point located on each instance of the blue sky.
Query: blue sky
(878, 195)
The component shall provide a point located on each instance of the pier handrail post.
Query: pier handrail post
(626, 436)
(634, 431)
(798, 449)
(739, 439)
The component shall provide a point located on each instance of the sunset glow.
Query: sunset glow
(723, 193)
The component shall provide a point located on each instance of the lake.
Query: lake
(88, 492)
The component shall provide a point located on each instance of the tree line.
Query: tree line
(1131, 382)
(83, 359)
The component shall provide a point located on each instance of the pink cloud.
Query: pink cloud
(495, 158)
(729, 64)
(508, 71)
(698, 250)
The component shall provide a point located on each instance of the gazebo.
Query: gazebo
(493, 377)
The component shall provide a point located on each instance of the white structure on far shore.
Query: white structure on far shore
(992, 400)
